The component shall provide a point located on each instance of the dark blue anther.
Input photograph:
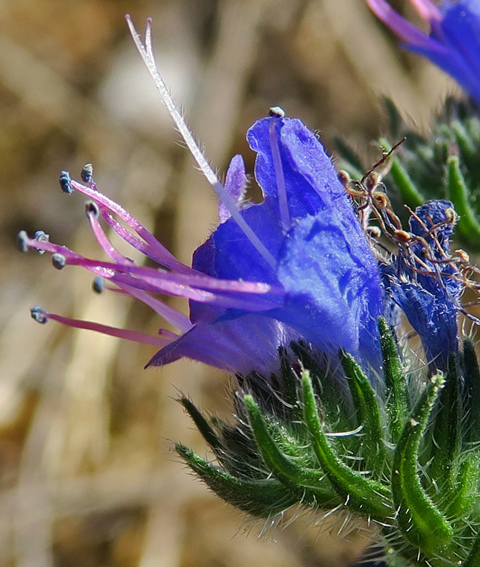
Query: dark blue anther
(59, 261)
(66, 182)
(87, 173)
(91, 208)
(98, 285)
(39, 314)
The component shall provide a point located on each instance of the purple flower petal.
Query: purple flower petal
(242, 345)
(235, 185)
(425, 285)
(454, 41)
(333, 293)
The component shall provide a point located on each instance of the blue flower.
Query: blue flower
(424, 282)
(454, 40)
(307, 273)
(296, 267)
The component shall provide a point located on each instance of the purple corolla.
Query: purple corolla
(426, 284)
(308, 273)
(454, 40)
(296, 267)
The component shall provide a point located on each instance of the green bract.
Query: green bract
(404, 454)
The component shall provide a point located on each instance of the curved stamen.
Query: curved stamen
(168, 259)
(404, 29)
(196, 281)
(143, 246)
(92, 215)
(233, 294)
(168, 313)
(43, 316)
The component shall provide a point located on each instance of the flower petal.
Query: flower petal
(235, 184)
(243, 345)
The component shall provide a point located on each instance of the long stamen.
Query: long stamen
(171, 315)
(407, 31)
(146, 53)
(42, 316)
(168, 313)
(92, 215)
(168, 259)
(277, 112)
(141, 245)
(148, 244)
(205, 289)
(182, 322)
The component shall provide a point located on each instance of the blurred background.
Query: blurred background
(87, 474)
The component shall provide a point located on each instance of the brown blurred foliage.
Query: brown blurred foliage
(87, 477)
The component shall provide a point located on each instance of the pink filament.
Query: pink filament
(167, 259)
(205, 289)
(112, 331)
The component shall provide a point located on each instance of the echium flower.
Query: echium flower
(297, 297)
(246, 296)
(454, 40)
(296, 265)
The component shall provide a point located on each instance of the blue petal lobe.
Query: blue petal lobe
(425, 285)
(242, 345)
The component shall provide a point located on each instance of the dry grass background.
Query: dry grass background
(87, 477)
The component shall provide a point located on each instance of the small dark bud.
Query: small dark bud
(59, 261)
(22, 241)
(87, 173)
(41, 236)
(277, 112)
(39, 314)
(91, 208)
(98, 285)
(66, 182)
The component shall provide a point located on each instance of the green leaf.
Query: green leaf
(202, 424)
(368, 414)
(334, 410)
(396, 386)
(290, 383)
(472, 393)
(260, 498)
(310, 486)
(468, 151)
(405, 184)
(464, 495)
(446, 431)
(418, 518)
(458, 193)
(367, 497)
(473, 559)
